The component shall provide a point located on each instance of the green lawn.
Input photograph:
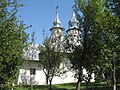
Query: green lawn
(68, 86)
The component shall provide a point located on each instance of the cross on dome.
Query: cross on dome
(57, 22)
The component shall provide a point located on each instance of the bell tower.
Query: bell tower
(56, 37)
(73, 32)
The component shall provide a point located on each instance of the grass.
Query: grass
(68, 86)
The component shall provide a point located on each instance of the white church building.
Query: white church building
(31, 71)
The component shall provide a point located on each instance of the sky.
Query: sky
(41, 13)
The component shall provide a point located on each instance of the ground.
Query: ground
(69, 86)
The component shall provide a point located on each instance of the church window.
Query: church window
(32, 71)
(39, 55)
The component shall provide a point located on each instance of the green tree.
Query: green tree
(12, 41)
(100, 39)
(50, 60)
(114, 5)
(111, 44)
(87, 54)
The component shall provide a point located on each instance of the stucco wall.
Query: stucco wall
(40, 79)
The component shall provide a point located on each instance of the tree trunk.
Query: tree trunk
(47, 80)
(88, 81)
(50, 87)
(78, 85)
(114, 79)
(79, 79)
(31, 85)
(87, 85)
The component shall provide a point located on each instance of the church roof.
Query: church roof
(56, 22)
(73, 23)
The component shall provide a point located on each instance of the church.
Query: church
(31, 71)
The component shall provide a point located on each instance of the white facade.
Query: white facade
(25, 78)
(39, 77)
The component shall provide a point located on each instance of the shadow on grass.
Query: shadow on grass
(92, 86)
(67, 86)
(102, 88)
(60, 89)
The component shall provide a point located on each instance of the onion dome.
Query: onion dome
(56, 22)
(73, 23)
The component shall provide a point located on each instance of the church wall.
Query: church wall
(37, 77)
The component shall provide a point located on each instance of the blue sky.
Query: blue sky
(41, 13)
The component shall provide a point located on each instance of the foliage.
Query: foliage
(114, 5)
(12, 41)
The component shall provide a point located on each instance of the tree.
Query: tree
(85, 56)
(114, 5)
(99, 35)
(50, 60)
(111, 44)
(12, 41)
(101, 26)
